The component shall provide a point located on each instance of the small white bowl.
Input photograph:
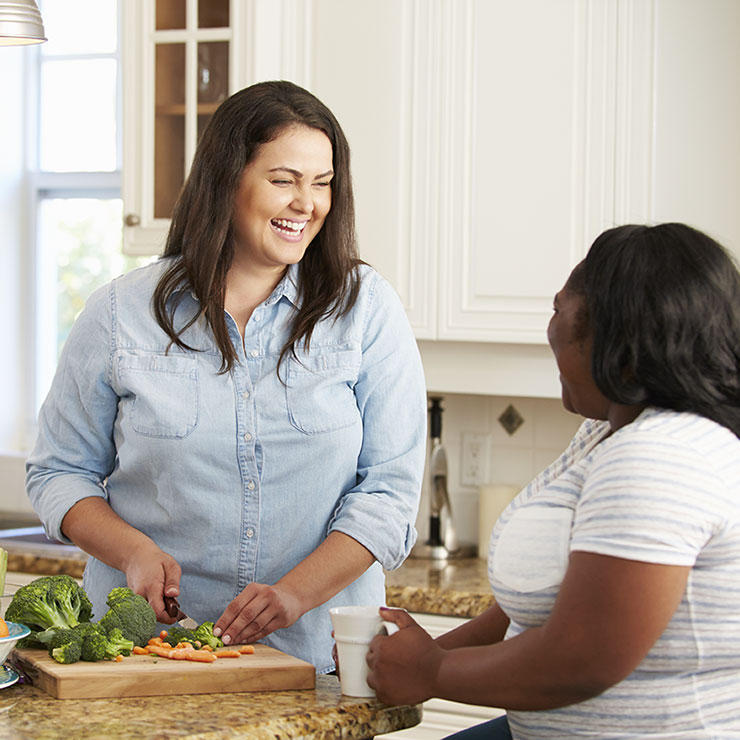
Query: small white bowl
(17, 632)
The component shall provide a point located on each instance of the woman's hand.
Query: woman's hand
(154, 574)
(403, 666)
(256, 612)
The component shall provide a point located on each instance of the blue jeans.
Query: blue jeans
(495, 729)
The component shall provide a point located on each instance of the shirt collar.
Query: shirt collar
(286, 288)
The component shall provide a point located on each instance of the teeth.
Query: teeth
(294, 227)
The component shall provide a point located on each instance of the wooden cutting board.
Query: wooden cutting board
(267, 669)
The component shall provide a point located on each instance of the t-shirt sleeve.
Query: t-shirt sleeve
(647, 497)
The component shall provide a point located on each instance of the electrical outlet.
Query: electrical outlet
(474, 469)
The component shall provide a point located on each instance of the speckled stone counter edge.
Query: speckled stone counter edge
(318, 714)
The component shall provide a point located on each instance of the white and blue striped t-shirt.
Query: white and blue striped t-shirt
(663, 489)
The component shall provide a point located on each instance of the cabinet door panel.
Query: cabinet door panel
(530, 179)
(697, 117)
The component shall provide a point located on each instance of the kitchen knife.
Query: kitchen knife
(172, 607)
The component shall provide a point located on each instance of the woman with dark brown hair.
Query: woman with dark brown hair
(241, 425)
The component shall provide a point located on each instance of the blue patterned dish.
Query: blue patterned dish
(17, 631)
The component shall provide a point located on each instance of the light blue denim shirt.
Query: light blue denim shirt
(239, 476)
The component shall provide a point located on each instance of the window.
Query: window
(77, 181)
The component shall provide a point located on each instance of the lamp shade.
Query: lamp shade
(20, 23)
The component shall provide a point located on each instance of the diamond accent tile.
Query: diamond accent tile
(510, 419)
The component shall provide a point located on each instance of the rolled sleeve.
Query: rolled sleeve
(380, 510)
(74, 451)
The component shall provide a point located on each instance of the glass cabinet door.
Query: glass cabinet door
(191, 43)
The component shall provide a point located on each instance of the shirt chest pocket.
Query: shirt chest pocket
(159, 394)
(531, 553)
(320, 390)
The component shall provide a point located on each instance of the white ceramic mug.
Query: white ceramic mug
(354, 629)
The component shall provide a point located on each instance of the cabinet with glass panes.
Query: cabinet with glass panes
(177, 68)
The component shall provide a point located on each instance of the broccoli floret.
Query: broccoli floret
(59, 637)
(201, 635)
(87, 628)
(204, 633)
(70, 652)
(118, 644)
(50, 602)
(177, 633)
(118, 594)
(98, 646)
(130, 613)
(93, 647)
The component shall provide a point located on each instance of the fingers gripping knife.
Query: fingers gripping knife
(442, 543)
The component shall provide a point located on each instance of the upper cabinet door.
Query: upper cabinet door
(527, 168)
(178, 66)
(688, 116)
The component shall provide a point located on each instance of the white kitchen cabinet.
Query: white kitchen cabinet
(440, 717)
(181, 58)
(492, 140)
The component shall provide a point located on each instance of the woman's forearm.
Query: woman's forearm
(95, 528)
(485, 629)
(333, 565)
(527, 672)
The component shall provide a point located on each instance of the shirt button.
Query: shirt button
(256, 316)
(250, 485)
(245, 394)
(247, 436)
(254, 353)
(250, 532)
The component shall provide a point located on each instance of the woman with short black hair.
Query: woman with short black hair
(615, 571)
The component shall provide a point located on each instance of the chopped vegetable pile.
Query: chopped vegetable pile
(57, 611)
(163, 647)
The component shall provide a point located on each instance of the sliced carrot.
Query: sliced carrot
(208, 648)
(140, 650)
(228, 654)
(118, 658)
(163, 652)
(4, 631)
(179, 654)
(246, 649)
(155, 641)
(202, 656)
(163, 634)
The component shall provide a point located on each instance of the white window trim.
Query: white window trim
(44, 185)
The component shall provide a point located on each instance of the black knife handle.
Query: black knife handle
(435, 421)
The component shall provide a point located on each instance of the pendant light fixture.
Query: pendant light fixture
(20, 23)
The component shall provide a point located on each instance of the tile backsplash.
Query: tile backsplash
(507, 458)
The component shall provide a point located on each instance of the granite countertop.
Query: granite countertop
(320, 714)
(457, 588)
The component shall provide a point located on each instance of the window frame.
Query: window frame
(45, 185)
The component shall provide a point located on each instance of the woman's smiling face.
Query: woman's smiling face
(283, 198)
